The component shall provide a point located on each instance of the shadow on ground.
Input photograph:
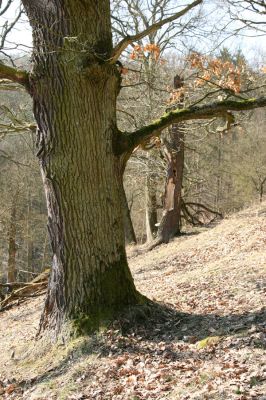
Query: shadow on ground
(153, 325)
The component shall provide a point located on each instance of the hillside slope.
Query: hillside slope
(208, 343)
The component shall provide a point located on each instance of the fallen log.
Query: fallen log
(14, 285)
(24, 290)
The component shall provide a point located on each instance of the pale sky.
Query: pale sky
(21, 33)
(253, 47)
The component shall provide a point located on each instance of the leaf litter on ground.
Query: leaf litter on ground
(205, 338)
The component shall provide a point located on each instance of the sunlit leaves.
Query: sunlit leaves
(148, 51)
(215, 72)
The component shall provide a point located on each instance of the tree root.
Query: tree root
(156, 242)
(200, 215)
(196, 214)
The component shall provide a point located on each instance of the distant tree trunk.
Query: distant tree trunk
(170, 224)
(43, 264)
(12, 247)
(130, 235)
(151, 218)
(219, 174)
(262, 183)
(151, 207)
(29, 238)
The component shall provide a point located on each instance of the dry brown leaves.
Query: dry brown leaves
(206, 339)
(215, 71)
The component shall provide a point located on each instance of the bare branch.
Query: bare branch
(118, 50)
(7, 29)
(6, 7)
(128, 141)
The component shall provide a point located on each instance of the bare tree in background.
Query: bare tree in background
(140, 16)
(8, 25)
(251, 14)
(174, 142)
(22, 216)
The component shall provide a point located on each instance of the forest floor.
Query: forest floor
(207, 341)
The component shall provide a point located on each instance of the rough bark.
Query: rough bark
(74, 94)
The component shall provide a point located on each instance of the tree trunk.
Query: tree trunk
(151, 207)
(12, 247)
(219, 173)
(170, 224)
(150, 184)
(262, 183)
(129, 231)
(74, 95)
(130, 235)
(29, 238)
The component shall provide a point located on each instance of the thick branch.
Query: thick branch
(118, 50)
(128, 141)
(14, 75)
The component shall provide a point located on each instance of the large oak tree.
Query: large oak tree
(74, 84)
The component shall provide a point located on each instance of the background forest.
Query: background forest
(223, 168)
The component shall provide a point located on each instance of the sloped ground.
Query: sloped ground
(207, 341)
